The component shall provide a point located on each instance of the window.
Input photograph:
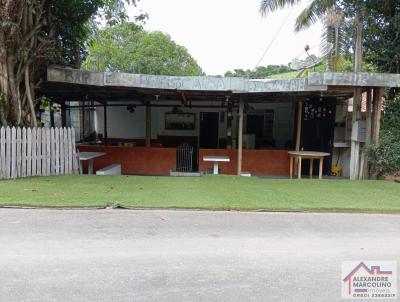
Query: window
(261, 124)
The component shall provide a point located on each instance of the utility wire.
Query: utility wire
(273, 39)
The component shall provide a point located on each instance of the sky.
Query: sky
(224, 35)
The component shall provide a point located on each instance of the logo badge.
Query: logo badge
(369, 280)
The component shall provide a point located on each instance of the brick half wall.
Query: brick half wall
(160, 161)
(257, 162)
(134, 160)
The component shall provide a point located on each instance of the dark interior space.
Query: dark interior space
(318, 123)
(209, 130)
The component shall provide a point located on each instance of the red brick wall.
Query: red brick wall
(227, 167)
(159, 161)
(257, 162)
(136, 160)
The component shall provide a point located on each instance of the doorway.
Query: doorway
(209, 130)
(318, 129)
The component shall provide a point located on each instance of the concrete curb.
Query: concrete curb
(118, 207)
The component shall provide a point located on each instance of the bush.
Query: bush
(385, 157)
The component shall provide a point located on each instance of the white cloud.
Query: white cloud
(226, 34)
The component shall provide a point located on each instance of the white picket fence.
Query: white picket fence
(28, 152)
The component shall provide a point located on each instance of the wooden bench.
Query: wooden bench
(114, 169)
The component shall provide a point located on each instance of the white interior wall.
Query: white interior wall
(340, 135)
(122, 124)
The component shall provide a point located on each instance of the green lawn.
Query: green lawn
(207, 192)
(286, 75)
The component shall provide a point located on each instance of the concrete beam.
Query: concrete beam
(236, 85)
(356, 79)
(74, 76)
(315, 81)
(216, 84)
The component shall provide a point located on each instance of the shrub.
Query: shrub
(385, 157)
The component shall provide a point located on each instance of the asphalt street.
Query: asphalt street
(156, 255)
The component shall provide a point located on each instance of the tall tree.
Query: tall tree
(382, 38)
(36, 33)
(332, 12)
(127, 47)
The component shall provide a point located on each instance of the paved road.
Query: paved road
(121, 255)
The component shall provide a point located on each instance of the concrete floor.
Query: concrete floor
(122, 255)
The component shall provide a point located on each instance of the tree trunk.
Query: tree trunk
(17, 69)
(30, 98)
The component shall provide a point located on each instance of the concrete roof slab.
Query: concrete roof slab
(202, 83)
(359, 79)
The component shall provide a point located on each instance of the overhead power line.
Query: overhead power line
(273, 39)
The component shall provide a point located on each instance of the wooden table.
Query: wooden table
(88, 156)
(311, 155)
(216, 160)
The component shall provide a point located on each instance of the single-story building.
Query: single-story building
(140, 121)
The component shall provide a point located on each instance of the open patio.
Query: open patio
(141, 122)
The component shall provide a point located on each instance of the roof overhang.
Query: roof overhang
(74, 84)
(355, 79)
(200, 83)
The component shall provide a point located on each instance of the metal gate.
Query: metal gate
(184, 158)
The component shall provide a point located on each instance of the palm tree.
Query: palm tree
(329, 11)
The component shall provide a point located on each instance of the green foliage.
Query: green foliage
(381, 36)
(259, 72)
(391, 117)
(345, 64)
(69, 24)
(73, 22)
(128, 48)
(386, 155)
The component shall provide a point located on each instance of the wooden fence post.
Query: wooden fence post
(74, 155)
(18, 153)
(34, 152)
(29, 152)
(52, 153)
(23, 150)
(3, 153)
(38, 151)
(13, 152)
(48, 154)
(57, 151)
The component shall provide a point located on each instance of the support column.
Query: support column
(376, 122)
(51, 112)
(240, 137)
(299, 122)
(368, 134)
(378, 95)
(355, 146)
(298, 135)
(82, 121)
(105, 134)
(63, 115)
(148, 125)
(229, 118)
